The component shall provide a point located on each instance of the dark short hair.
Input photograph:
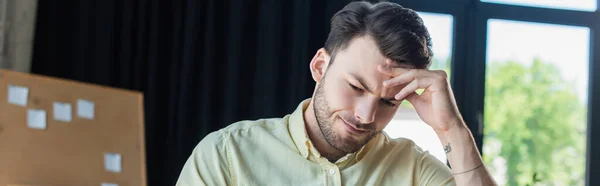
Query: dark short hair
(399, 32)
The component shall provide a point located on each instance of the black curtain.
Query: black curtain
(201, 65)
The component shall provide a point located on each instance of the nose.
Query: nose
(365, 110)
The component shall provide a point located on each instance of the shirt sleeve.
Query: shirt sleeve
(432, 172)
(208, 164)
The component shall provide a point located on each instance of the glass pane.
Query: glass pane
(583, 5)
(536, 103)
(406, 122)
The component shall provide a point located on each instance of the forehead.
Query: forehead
(360, 53)
(361, 57)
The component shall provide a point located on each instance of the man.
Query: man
(376, 55)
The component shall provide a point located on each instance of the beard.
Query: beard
(326, 124)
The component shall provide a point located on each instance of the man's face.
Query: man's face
(351, 104)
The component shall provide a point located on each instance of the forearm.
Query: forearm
(467, 165)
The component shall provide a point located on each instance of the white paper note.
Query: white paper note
(62, 111)
(112, 162)
(109, 184)
(36, 119)
(85, 109)
(17, 95)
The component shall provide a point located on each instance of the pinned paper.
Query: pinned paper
(17, 95)
(85, 109)
(36, 119)
(109, 184)
(112, 162)
(62, 111)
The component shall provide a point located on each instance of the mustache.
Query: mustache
(358, 124)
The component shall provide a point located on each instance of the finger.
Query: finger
(399, 80)
(391, 70)
(410, 76)
(420, 83)
(410, 88)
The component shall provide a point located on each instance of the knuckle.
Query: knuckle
(441, 75)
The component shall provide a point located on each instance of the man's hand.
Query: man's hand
(436, 105)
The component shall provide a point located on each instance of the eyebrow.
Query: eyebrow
(363, 84)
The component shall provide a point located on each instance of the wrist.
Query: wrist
(460, 148)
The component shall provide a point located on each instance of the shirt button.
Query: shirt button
(331, 171)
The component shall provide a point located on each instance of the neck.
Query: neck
(316, 136)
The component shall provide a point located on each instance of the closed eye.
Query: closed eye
(388, 103)
(355, 88)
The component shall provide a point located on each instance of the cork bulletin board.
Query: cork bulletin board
(61, 132)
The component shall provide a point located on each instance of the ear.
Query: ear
(319, 64)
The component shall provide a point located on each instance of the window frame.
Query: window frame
(469, 59)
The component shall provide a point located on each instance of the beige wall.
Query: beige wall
(18, 29)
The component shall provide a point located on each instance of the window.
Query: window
(535, 104)
(406, 122)
(583, 5)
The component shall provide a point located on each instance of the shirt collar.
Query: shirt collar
(298, 130)
(363, 151)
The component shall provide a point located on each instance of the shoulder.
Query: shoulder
(247, 130)
(403, 145)
(405, 149)
(426, 167)
(249, 127)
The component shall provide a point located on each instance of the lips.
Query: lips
(352, 128)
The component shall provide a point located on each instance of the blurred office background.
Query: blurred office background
(523, 72)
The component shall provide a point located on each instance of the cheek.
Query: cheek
(346, 96)
(340, 96)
